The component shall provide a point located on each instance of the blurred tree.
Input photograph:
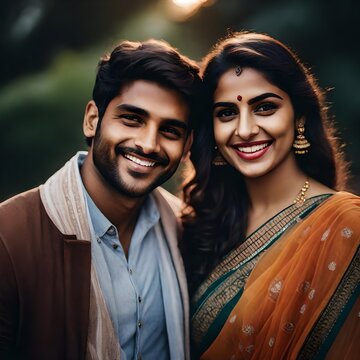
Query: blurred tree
(32, 32)
(50, 49)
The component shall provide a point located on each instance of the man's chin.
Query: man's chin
(135, 192)
(135, 187)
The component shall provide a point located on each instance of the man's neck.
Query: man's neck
(122, 211)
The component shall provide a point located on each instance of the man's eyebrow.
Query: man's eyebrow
(145, 113)
(133, 109)
(262, 97)
(176, 123)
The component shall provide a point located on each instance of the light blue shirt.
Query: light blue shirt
(132, 287)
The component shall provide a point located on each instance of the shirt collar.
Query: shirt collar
(148, 217)
(99, 221)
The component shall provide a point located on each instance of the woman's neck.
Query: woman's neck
(277, 189)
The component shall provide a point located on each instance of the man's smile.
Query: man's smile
(138, 161)
(139, 158)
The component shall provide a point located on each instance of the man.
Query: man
(89, 263)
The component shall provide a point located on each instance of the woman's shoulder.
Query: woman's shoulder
(342, 208)
(335, 219)
(340, 202)
(346, 200)
(343, 201)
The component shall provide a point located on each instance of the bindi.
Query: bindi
(239, 97)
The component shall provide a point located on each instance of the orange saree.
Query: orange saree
(290, 291)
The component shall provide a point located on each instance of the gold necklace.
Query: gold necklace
(300, 198)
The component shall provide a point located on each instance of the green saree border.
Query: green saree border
(333, 316)
(224, 286)
(257, 241)
(216, 326)
(211, 322)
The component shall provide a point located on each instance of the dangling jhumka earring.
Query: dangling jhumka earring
(218, 159)
(301, 144)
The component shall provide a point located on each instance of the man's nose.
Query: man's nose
(147, 140)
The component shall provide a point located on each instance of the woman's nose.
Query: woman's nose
(246, 127)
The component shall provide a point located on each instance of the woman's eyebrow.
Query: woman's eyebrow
(250, 102)
(224, 104)
(262, 97)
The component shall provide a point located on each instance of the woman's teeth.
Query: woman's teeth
(253, 148)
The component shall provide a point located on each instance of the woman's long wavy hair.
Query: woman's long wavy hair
(215, 219)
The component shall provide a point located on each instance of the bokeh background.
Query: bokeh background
(49, 50)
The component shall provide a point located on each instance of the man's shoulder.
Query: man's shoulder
(20, 202)
(21, 211)
(164, 197)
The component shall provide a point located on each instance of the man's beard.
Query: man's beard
(108, 168)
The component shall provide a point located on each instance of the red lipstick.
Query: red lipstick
(252, 150)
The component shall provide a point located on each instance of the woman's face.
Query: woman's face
(253, 122)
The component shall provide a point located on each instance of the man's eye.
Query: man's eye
(171, 132)
(130, 120)
(266, 108)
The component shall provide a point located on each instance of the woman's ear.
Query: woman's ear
(91, 118)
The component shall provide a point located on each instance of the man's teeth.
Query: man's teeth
(139, 161)
(252, 149)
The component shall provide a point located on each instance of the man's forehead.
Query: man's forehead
(152, 97)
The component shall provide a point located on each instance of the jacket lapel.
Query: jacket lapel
(77, 264)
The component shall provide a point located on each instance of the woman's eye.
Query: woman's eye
(226, 113)
(266, 108)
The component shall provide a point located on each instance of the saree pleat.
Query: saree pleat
(291, 296)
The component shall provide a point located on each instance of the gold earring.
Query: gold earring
(218, 159)
(301, 144)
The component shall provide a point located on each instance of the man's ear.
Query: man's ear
(91, 118)
(187, 147)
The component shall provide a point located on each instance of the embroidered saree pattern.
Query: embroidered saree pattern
(322, 335)
(287, 290)
(229, 277)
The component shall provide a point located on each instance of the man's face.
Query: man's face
(142, 138)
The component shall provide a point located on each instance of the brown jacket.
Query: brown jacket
(44, 284)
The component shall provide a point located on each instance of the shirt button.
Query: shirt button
(130, 271)
(115, 246)
(140, 324)
(139, 298)
(111, 231)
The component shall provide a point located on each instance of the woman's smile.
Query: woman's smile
(252, 150)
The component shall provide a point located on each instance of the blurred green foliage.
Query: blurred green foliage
(50, 49)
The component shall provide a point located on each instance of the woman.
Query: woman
(271, 243)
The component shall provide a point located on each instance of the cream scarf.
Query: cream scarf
(64, 202)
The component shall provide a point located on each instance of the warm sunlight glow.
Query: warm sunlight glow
(188, 3)
(181, 10)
